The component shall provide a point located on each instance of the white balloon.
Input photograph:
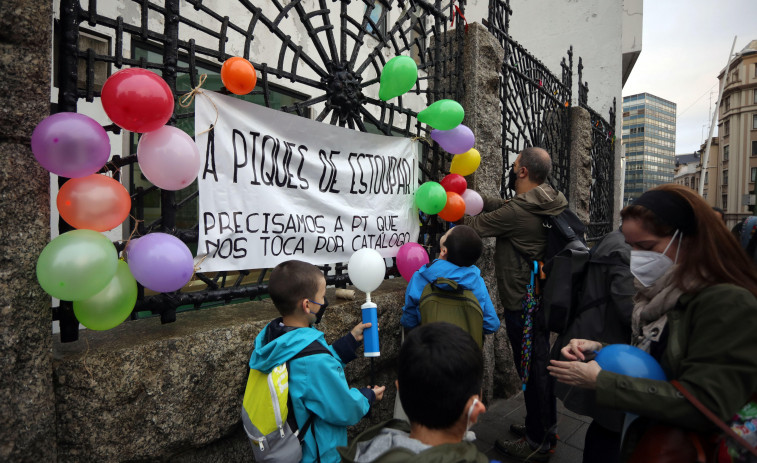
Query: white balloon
(366, 269)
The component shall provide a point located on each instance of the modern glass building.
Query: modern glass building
(649, 137)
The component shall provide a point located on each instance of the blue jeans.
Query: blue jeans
(539, 396)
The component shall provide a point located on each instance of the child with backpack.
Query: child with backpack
(318, 391)
(454, 271)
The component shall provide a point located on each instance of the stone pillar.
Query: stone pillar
(580, 162)
(27, 402)
(483, 57)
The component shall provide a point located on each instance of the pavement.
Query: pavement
(501, 413)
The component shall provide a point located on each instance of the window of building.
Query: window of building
(754, 93)
(725, 177)
(88, 40)
(727, 102)
(754, 121)
(706, 178)
(754, 148)
(726, 152)
(753, 176)
(726, 128)
(724, 205)
(378, 17)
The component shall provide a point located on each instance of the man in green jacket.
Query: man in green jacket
(439, 370)
(521, 238)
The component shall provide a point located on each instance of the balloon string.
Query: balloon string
(187, 99)
(196, 267)
(422, 139)
(136, 225)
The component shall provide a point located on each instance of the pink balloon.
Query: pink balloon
(474, 204)
(169, 158)
(70, 145)
(411, 257)
(160, 262)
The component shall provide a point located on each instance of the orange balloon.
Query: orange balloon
(454, 209)
(238, 75)
(94, 202)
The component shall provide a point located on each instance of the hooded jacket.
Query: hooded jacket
(317, 386)
(390, 442)
(468, 277)
(521, 237)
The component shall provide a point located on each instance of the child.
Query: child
(440, 371)
(317, 384)
(460, 249)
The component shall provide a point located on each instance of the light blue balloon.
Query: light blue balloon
(630, 361)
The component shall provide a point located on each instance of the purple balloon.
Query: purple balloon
(454, 141)
(411, 257)
(474, 203)
(160, 262)
(70, 145)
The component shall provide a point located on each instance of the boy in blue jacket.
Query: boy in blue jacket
(460, 249)
(317, 384)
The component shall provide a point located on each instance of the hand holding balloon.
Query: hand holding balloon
(576, 349)
(575, 373)
(366, 269)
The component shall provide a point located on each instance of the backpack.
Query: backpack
(453, 304)
(272, 430)
(565, 261)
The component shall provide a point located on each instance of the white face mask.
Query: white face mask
(649, 266)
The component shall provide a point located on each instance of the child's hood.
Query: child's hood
(465, 276)
(275, 345)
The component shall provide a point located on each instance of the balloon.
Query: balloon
(366, 269)
(76, 265)
(169, 158)
(474, 204)
(410, 257)
(160, 262)
(455, 183)
(466, 163)
(238, 75)
(137, 100)
(455, 141)
(398, 76)
(630, 361)
(454, 209)
(443, 115)
(70, 145)
(111, 306)
(95, 202)
(430, 197)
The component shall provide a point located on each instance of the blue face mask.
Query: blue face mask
(649, 266)
(322, 310)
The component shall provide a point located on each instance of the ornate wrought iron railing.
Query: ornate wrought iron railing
(602, 191)
(534, 102)
(330, 72)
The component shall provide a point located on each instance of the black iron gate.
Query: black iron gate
(328, 72)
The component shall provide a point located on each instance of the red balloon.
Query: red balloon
(455, 183)
(238, 75)
(454, 209)
(94, 202)
(137, 100)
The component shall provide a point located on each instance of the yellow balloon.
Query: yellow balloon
(465, 163)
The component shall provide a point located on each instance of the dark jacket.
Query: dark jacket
(389, 442)
(710, 349)
(521, 236)
(603, 314)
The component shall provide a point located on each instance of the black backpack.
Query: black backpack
(566, 258)
(453, 304)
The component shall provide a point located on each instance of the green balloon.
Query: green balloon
(111, 306)
(398, 76)
(430, 197)
(443, 115)
(77, 265)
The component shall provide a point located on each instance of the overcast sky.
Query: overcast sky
(685, 44)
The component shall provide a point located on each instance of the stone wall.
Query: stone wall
(146, 391)
(27, 407)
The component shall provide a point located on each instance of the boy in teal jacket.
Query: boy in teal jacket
(317, 384)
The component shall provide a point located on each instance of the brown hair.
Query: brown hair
(291, 282)
(711, 253)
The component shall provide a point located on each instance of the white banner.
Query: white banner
(275, 187)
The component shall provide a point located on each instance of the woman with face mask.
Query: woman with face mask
(695, 311)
